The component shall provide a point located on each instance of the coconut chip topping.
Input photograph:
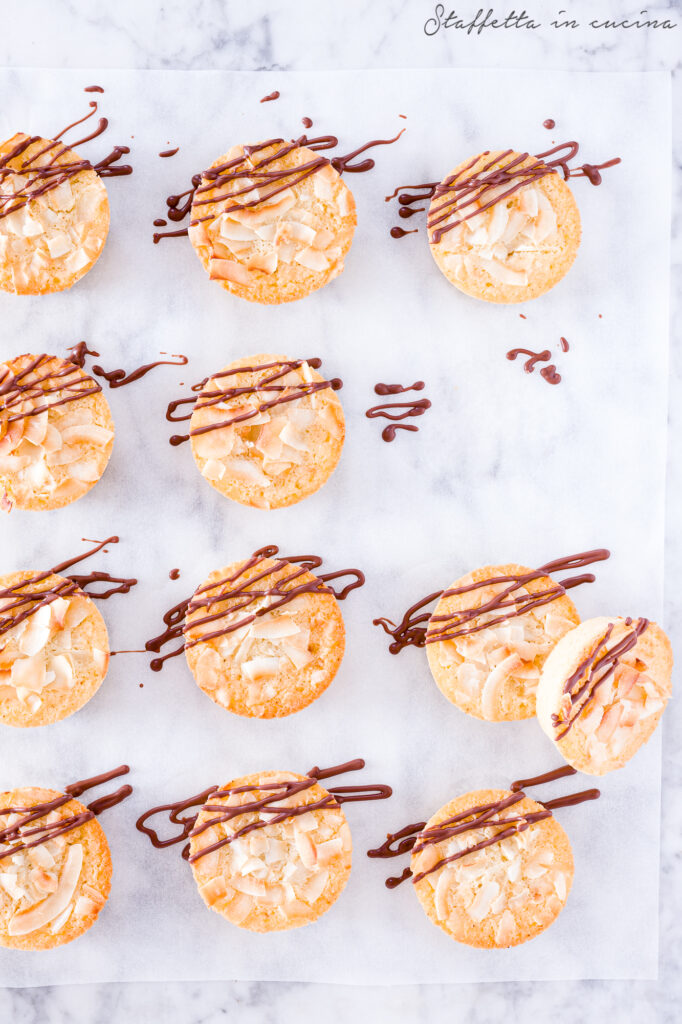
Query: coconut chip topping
(50, 443)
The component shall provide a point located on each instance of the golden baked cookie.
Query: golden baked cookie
(267, 431)
(53, 659)
(53, 224)
(51, 892)
(280, 874)
(603, 690)
(502, 228)
(501, 894)
(489, 662)
(272, 222)
(254, 650)
(56, 432)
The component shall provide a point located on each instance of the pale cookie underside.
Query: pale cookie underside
(280, 876)
(52, 241)
(283, 248)
(53, 662)
(277, 457)
(51, 894)
(277, 665)
(493, 674)
(506, 893)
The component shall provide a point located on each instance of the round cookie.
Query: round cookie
(53, 226)
(54, 660)
(279, 876)
(54, 891)
(272, 222)
(493, 673)
(514, 249)
(603, 690)
(56, 432)
(503, 894)
(276, 664)
(269, 455)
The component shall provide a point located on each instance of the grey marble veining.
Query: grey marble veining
(357, 34)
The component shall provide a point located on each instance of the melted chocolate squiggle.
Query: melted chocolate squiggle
(593, 671)
(19, 836)
(245, 591)
(548, 373)
(283, 393)
(119, 378)
(466, 195)
(269, 805)
(416, 837)
(44, 177)
(19, 602)
(59, 386)
(414, 630)
(416, 408)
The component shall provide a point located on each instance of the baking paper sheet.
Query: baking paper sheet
(504, 468)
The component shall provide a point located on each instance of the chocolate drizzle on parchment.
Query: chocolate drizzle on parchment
(267, 805)
(462, 196)
(244, 591)
(269, 391)
(599, 665)
(261, 181)
(419, 627)
(46, 176)
(24, 834)
(416, 837)
(19, 601)
(386, 410)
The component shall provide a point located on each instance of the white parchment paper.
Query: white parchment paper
(504, 468)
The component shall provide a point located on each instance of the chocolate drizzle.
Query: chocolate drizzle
(266, 385)
(464, 196)
(335, 797)
(548, 373)
(22, 602)
(593, 671)
(119, 378)
(418, 627)
(416, 408)
(19, 836)
(271, 96)
(244, 591)
(261, 179)
(44, 177)
(169, 152)
(549, 123)
(63, 384)
(415, 838)
(76, 354)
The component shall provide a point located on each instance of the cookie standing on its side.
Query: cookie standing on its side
(50, 892)
(603, 690)
(501, 894)
(56, 432)
(503, 227)
(489, 661)
(277, 874)
(54, 216)
(257, 662)
(54, 648)
(272, 222)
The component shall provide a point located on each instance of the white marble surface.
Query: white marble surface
(353, 35)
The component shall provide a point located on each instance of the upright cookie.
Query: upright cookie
(492, 869)
(603, 690)
(55, 869)
(267, 431)
(270, 872)
(264, 637)
(54, 649)
(490, 635)
(504, 227)
(272, 222)
(54, 216)
(56, 432)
